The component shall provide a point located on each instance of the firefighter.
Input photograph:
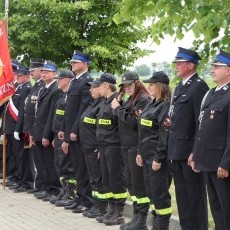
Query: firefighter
(184, 112)
(111, 160)
(212, 150)
(62, 161)
(89, 147)
(127, 119)
(153, 126)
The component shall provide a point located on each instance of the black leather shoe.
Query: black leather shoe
(80, 209)
(41, 194)
(15, 186)
(71, 207)
(49, 197)
(20, 189)
(32, 190)
(64, 203)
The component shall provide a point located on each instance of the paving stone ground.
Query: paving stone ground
(23, 211)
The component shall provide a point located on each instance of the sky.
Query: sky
(166, 51)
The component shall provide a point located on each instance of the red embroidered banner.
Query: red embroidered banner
(6, 73)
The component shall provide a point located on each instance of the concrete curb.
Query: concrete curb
(174, 221)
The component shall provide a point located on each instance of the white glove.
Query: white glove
(1, 138)
(16, 136)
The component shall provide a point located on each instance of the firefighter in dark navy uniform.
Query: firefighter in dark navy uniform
(29, 113)
(42, 135)
(153, 127)
(212, 146)
(111, 160)
(127, 114)
(77, 99)
(13, 129)
(184, 113)
(10, 161)
(90, 149)
(62, 161)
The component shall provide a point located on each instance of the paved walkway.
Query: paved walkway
(23, 211)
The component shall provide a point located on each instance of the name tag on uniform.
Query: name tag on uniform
(89, 120)
(60, 112)
(145, 122)
(105, 122)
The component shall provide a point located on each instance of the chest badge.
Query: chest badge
(212, 114)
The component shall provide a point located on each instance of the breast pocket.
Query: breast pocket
(215, 111)
(183, 99)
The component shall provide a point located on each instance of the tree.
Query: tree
(164, 66)
(207, 19)
(53, 29)
(143, 70)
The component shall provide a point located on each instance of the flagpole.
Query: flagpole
(6, 13)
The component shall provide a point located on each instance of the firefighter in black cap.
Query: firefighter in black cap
(111, 159)
(29, 113)
(184, 112)
(89, 146)
(62, 161)
(127, 114)
(153, 127)
(212, 146)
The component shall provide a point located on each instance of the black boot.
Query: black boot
(117, 218)
(62, 192)
(155, 220)
(109, 213)
(99, 210)
(162, 222)
(69, 196)
(139, 224)
(132, 221)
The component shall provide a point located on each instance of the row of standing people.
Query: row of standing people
(152, 139)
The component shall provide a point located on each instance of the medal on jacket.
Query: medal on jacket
(167, 122)
(212, 114)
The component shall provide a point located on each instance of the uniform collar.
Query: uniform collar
(188, 79)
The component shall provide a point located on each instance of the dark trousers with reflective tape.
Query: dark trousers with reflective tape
(112, 169)
(157, 185)
(134, 177)
(191, 196)
(81, 173)
(218, 192)
(62, 162)
(93, 166)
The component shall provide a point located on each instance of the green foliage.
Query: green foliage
(164, 66)
(143, 70)
(54, 29)
(207, 19)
